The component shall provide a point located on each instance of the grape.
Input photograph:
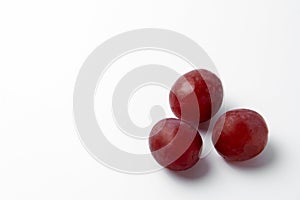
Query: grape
(175, 144)
(196, 96)
(240, 135)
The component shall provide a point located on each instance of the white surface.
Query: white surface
(255, 45)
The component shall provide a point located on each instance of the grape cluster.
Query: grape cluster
(176, 144)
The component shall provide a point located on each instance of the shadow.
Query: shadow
(226, 106)
(264, 160)
(204, 126)
(197, 172)
(229, 104)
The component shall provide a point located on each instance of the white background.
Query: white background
(255, 45)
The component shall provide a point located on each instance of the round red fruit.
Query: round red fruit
(196, 96)
(240, 135)
(175, 144)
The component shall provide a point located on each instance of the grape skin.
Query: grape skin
(175, 144)
(240, 135)
(196, 96)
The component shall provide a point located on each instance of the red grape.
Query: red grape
(240, 135)
(196, 96)
(175, 144)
